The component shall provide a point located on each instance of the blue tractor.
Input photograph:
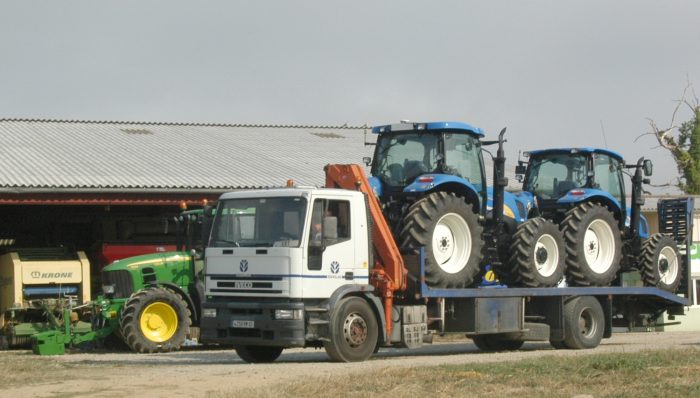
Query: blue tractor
(582, 190)
(431, 181)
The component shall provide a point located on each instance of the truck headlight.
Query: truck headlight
(108, 289)
(289, 314)
(209, 313)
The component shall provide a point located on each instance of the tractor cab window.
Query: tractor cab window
(552, 176)
(330, 224)
(608, 175)
(400, 158)
(259, 222)
(463, 157)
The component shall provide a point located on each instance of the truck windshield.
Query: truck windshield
(400, 158)
(259, 222)
(552, 176)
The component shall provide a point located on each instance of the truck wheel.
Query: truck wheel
(593, 245)
(258, 354)
(449, 230)
(660, 263)
(155, 320)
(493, 342)
(584, 323)
(353, 331)
(537, 256)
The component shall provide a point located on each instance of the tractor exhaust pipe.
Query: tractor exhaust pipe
(500, 182)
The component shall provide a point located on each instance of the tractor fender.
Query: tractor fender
(177, 289)
(580, 195)
(429, 183)
(366, 292)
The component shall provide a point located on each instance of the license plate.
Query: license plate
(243, 324)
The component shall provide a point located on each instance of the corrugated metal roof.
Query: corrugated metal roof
(93, 155)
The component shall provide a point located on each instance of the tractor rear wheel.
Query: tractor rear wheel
(353, 331)
(449, 230)
(584, 323)
(258, 354)
(537, 254)
(155, 320)
(660, 263)
(593, 245)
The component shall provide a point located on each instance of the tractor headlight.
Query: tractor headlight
(209, 313)
(108, 289)
(289, 314)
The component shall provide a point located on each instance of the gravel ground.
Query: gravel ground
(194, 373)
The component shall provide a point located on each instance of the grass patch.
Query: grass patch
(669, 373)
(21, 368)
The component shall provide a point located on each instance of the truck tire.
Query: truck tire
(493, 342)
(449, 230)
(537, 255)
(155, 320)
(353, 331)
(660, 263)
(584, 323)
(258, 354)
(593, 245)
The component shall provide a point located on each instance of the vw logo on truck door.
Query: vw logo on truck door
(244, 266)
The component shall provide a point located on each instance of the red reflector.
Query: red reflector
(426, 179)
(576, 192)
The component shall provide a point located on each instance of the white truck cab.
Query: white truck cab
(275, 255)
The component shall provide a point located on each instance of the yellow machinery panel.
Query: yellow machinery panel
(15, 275)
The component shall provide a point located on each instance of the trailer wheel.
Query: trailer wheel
(155, 320)
(660, 263)
(559, 345)
(449, 230)
(593, 245)
(493, 342)
(537, 254)
(258, 354)
(353, 331)
(584, 323)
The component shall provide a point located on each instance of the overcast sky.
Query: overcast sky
(552, 71)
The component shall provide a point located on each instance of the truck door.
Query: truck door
(330, 256)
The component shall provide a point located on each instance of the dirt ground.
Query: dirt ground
(199, 373)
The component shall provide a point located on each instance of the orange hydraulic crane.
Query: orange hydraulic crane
(388, 273)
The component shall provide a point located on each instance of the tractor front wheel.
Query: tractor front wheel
(449, 230)
(155, 320)
(537, 254)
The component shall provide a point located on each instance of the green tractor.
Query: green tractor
(150, 302)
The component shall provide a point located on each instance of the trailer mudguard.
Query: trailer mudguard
(580, 195)
(177, 289)
(366, 292)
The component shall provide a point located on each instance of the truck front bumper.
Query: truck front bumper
(246, 323)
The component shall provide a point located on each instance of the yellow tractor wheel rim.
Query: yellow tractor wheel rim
(158, 322)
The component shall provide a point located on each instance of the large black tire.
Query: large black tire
(660, 263)
(593, 245)
(493, 342)
(353, 331)
(584, 323)
(537, 255)
(449, 230)
(258, 354)
(155, 320)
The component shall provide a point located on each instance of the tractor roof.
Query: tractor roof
(405, 127)
(585, 150)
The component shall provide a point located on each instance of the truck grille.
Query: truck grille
(121, 279)
(232, 284)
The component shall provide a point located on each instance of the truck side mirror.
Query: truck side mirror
(367, 160)
(648, 167)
